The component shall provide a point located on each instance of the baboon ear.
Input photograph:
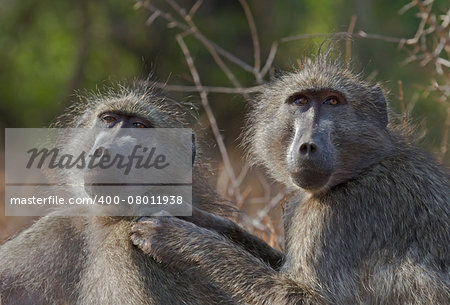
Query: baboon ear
(380, 102)
(194, 148)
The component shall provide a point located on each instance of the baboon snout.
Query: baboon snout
(311, 152)
(310, 163)
(308, 148)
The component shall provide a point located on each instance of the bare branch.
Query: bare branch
(407, 7)
(360, 34)
(171, 20)
(270, 58)
(242, 174)
(273, 203)
(254, 33)
(348, 41)
(211, 49)
(194, 9)
(210, 115)
(227, 90)
(401, 41)
(401, 98)
(152, 18)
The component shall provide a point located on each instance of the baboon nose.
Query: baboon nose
(308, 148)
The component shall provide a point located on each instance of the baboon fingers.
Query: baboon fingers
(142, 231)
(158, 236)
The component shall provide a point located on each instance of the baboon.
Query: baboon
(91, 260)
(368, 222)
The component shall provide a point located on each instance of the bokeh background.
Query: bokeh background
(51, 49)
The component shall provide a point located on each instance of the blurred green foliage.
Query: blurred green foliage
(50, 49)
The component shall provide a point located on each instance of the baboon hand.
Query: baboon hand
(142, 233)
(168, 239)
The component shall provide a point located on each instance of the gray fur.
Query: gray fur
(378, 232)
(91, 260)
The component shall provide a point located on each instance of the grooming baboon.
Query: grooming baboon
(369, 222)
(91, 260)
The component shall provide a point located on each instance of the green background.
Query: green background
(50, 49)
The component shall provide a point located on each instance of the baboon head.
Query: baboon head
(318, 126)
(103, 125)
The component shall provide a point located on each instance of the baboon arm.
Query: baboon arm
(238, 235)
(173, 241)
(32, 262)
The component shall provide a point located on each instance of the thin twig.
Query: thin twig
(440, 31)
(206, 43)
(400, 41)
(208, 89)
(401, 98)
(242, 174)
(270, 58)
(194, 9)
(360, 34)
(152, 18)
(348, 40)
(273, 203)
(266, 188)
(209, 114)
(244, 196)
(171, 20)
(407, 7)
(255, 39)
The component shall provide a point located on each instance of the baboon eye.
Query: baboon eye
(139, 125)
(331, 101)
(109, 119)
(301, 100)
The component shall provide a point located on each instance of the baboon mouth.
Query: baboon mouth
(310, 179)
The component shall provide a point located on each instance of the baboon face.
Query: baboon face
(110, 119)
(311, 154)
(318, 127)
(110, 142)
(105, 144)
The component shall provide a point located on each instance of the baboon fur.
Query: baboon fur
(91, 260)
(378, 232)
